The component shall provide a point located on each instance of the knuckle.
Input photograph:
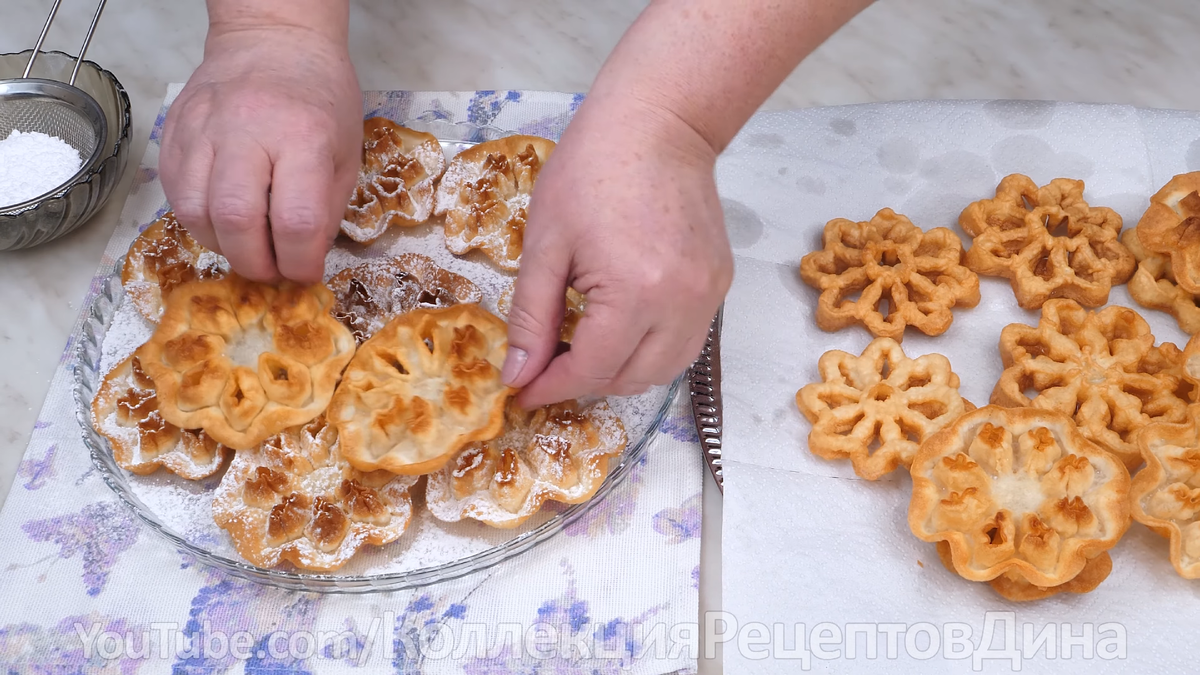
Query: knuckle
(525, 322)
(235, 214)
(300, 219)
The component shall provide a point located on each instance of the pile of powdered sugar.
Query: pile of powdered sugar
(32, 164)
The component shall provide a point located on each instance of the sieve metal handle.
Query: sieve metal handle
(87, 40)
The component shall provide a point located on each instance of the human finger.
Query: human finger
(304, 217)
(237, 207)
(537, 311)
(604, 341)
(185, 172)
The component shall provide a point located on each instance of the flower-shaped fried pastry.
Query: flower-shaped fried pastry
(1171, 227)
(424, 386)
(125, 411)
(1153, 285)
(1101, 368)
(396, 180)
(485, 196)
(1165, 495)
(887, 274)
(1018, 497)
(371, 294)
(244, 360)
(1047, 242)
(295, 498)
(162, 257)
(877, 408)
(559, 453)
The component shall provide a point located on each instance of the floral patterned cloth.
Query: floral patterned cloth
(86, 588)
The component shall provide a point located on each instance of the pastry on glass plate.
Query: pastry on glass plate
(125, 411)
(369, 295)
(557, 453)
(243, 360)
(427, 384)
(396, 181)
(162, 257)
(295, 498)
(484, 197)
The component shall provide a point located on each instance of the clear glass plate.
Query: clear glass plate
(430, 550)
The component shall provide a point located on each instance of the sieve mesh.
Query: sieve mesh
(48, 116)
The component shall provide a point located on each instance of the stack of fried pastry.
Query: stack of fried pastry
(336, 401)
(1029, 493)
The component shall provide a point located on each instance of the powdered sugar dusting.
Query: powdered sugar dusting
(185, 507)
(128, 331)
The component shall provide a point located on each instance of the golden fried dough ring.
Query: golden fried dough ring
(1018, 492)
(875, 409)
(162, 257)
(296, 498)
(427, 384)
(371, 294)
(396, 181)
(1047, 242)
(243, 360)
(887, 274)
(125, 411)
(1171, 227)
(558, 453)
(484, 196)
(1100, 368)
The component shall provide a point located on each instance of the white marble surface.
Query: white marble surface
(1141, 53)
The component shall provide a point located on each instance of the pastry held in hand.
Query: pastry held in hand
(369, 295)
(485, 193)
(125, 411)
(1021, 499)
(1166, 493)
(572, 312)
(295, 498)
(875, 409)
(162, 257)
(1153, 285)
(1171, 227)
(423, 387)
(558, 453)
(1100, 368)
(1047, 242)
(244, 360)
(396, 181)
(887, 274)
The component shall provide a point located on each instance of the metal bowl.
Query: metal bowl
(65, 209)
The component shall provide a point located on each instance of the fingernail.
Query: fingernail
(514, 363)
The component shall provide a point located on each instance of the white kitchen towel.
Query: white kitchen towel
(807, 542)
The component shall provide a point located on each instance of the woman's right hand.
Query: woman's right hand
(261, 149)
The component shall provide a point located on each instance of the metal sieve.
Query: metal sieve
(56, 108)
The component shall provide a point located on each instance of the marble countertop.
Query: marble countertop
(1109, 51)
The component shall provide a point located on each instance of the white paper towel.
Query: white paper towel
(804, 540)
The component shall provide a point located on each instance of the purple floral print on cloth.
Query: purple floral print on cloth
(613, 643)
(421, 624)
(64, 648)
(99, 534)
(37, 471)
(248, 612)
(681, 428)
(614, 514)
(680, 523)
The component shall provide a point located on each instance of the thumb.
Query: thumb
(537, 311)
